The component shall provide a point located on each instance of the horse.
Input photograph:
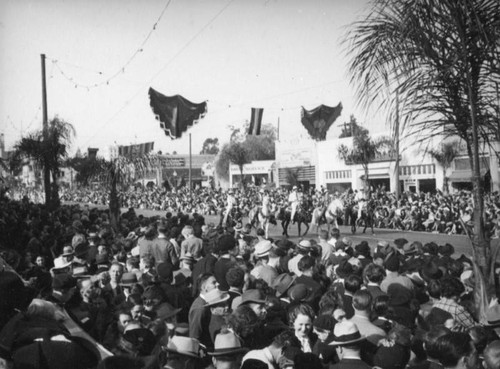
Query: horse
(302, 216)
(328, 214)
(367, 217)
(258, 219)
(233, 217)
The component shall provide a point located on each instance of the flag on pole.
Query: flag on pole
(255, 121)
(136, 150)
(318, 120)
(175, 113)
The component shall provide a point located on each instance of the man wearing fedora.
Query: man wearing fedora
(227, 353)
(217, 301)
(347, 341)
(266, 262)
(181, 353)
(199, 313)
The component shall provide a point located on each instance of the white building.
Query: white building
(260, 172)
(319, 164)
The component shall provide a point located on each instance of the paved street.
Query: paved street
(461, 243)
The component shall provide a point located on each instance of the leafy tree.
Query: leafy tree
(210, 146)
(49, 154)
(350, 129)
(86, 168)
(445, 155)
(439, 61)
(257, 147)
(364, 151)
(238, 154)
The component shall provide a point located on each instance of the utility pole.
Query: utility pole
(398, 188)
(190, 184)
(46, 171)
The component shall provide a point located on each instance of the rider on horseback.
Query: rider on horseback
(294, 201)
(231, 202)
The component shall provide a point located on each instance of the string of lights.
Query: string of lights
(141, 89)
(119, 71)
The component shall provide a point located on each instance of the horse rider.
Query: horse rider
(361, 200)
(265, 209)
(230, 204)
(293, 201)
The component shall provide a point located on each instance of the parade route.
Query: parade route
(461, 243)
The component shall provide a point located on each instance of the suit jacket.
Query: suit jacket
(199, 321)
(351, 364)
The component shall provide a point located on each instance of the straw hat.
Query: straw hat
(346, 333)
(227, 344)
(184, 346)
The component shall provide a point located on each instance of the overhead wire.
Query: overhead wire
(119, 71)
(186, 45)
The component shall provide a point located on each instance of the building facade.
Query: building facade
(318, 164)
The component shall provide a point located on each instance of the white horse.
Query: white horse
(334, 209)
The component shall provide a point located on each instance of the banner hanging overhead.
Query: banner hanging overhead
(317, 121)
(175, 113)
(255, 121)
(136, 150)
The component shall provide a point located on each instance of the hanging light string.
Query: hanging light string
(141, 89)
(118, 72)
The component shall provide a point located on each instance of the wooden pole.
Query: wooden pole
(45, 122)
(190, 157)
(398, 188)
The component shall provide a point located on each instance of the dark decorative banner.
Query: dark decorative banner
(136, 150)
(255, 121)
(175, 113)
(319, 120)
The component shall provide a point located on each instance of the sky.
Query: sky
(236, 54)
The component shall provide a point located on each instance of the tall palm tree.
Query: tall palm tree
(120, 173)
(445, 155)
(48, 153)
(441, 58)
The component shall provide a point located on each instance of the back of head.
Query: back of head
(235, 277)
(353, 283)
(374, 273)
(306, 263)
(452, 347)
(492, 355)
(362, 300)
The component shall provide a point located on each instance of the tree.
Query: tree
(260, 147)
(210, 146)
(445, 155)
(237, 154)
(364, 151)
(48, 153)
(440, 61)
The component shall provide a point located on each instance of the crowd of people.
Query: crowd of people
(431, 212)
(175, 292)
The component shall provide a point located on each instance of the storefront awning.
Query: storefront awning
(465, 175)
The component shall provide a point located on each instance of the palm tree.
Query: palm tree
(120, 173)
(440, 59)
(364, 151)
(48, 154)
(445, 155)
